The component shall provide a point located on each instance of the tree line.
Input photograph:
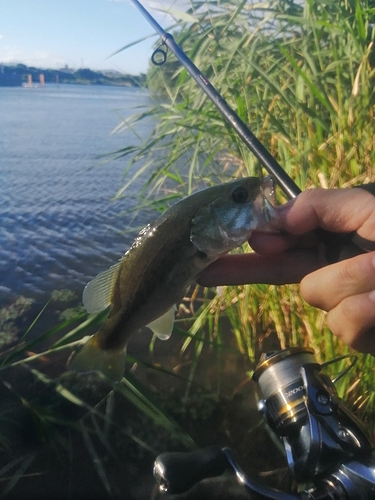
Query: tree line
(19, 74)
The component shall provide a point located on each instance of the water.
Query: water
(58, 226)
(58, 229)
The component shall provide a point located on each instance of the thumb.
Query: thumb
(335, 210)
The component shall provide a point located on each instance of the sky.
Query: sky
(78, 33)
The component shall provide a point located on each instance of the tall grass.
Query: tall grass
(301, 75)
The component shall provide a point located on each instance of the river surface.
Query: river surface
(59, 227)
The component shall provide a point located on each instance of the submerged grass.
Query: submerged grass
(120, 425)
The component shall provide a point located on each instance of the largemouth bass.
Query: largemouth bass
(143, 288)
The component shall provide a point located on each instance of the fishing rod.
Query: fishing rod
(256, 147)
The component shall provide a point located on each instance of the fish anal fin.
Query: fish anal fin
(92, 358)
(97, 294)
(162, 327)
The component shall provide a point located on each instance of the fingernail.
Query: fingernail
(371, 295)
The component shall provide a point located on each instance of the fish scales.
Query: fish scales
(152, 277)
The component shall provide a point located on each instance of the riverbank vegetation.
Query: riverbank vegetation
(301, 75)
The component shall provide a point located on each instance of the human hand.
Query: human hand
(346, 289)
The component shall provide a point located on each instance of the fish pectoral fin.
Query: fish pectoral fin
(98, 292)
(92, 358)
(162, 327)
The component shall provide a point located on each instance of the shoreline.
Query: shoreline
(21, 75)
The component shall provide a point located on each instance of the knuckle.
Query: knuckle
(350, 271)
(356, 275)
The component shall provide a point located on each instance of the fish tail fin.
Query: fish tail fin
(110, 362)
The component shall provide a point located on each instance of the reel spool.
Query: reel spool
(280, 381)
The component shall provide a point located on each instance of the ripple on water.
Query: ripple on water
(58, 228)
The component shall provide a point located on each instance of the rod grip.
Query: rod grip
(177, 472)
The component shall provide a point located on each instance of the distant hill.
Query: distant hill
(19, 74)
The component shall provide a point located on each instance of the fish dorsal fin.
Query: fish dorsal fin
(162, 327)
(98, 292)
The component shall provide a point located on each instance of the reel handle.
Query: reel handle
(177, 472)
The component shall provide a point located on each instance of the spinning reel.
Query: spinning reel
(326, 445)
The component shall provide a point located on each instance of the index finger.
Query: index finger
(287, 267)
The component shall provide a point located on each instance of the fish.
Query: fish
(144, 286)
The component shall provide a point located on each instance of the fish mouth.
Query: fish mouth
(268, 189)
(268, 193)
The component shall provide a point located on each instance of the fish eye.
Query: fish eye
(239, 194)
